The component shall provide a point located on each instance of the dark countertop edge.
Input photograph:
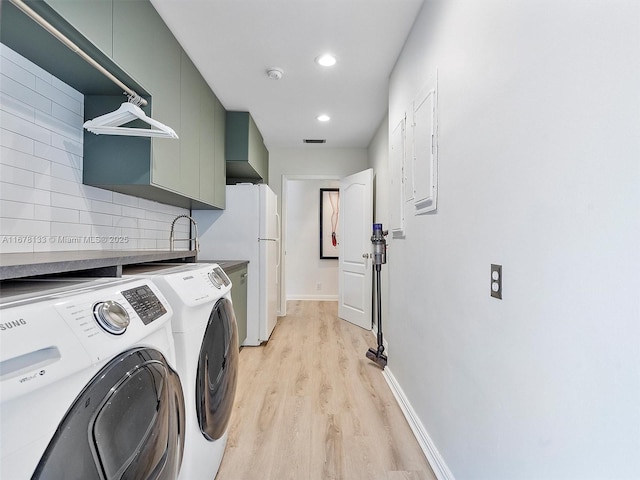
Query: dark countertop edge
(104, 263)
(228, 265)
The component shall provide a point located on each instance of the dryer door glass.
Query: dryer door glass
(217, 371)
(128, 422)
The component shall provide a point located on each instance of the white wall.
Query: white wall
(308, 276)
(43, 204)
(539, 170)
(378, 153)
(314, 160)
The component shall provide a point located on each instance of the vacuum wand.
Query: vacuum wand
(379, 257)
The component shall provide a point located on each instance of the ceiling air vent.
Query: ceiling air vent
(314, 140)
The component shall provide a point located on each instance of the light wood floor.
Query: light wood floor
(310, 405)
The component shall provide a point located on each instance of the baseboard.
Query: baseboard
(434, 458)
(314, 298)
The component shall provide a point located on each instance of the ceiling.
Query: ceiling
(234, 42)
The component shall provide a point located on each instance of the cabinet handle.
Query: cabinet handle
(244, 275)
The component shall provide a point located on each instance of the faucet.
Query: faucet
(172, 238)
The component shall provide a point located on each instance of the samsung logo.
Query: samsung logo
(12, 324)
(31, 377)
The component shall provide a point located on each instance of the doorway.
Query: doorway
(304, 275)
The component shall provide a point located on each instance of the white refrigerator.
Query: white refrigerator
(248, 229)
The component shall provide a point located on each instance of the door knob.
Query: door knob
(365, 255)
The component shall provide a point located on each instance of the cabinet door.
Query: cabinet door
(92, 18)
(191, 88)
(146, 49)
(207, 145)
(239, 298)
(220, 177)
(258, 154)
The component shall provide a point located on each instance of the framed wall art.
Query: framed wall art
(329, 215)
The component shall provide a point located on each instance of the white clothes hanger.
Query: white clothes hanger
(110, 123)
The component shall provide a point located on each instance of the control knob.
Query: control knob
(111, 316)
(215, 279)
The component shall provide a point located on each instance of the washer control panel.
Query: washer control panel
(218, 277)
(145, 303)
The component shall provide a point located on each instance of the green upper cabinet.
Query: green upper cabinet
(130, 40)
(245, 152)
(191, 91)
(179, 172)
(88, 24)
(220, 176)
(92, 18)
(202, 120)
(206, 129)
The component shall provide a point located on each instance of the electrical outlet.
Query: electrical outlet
(318, 286)
(496, 281)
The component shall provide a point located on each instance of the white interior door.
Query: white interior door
(354, 266)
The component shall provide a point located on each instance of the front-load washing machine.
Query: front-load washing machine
(88, 388)
(207, 354)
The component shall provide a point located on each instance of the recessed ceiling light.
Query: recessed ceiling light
(323, 118)
(326, 60)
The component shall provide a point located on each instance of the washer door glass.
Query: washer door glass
(217, 371)
(128, 423)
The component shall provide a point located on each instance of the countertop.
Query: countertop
(228, 265)
(99, 263)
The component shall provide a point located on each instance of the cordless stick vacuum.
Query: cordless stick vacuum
(379, 258)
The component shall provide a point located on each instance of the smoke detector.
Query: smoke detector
(274, 73)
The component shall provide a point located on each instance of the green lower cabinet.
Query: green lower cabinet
(238, 278)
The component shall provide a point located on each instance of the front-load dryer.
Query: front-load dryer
(88, 387)
(207, 355)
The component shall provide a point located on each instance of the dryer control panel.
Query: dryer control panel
(145, 303)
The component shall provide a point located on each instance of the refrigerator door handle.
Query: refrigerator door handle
(278, 238)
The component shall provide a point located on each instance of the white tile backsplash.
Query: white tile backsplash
(71, 100)
(15, 124)
(20, 193)
(66, 173)
(17, 76)
(43, 204)
(58, 156)
(69, 201)
(17, 176)
(28, 96)
(25, 161)
(35, 70)
(11, 209)
(15, 141)
(57, 214)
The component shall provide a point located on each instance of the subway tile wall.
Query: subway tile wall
(43, 204)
